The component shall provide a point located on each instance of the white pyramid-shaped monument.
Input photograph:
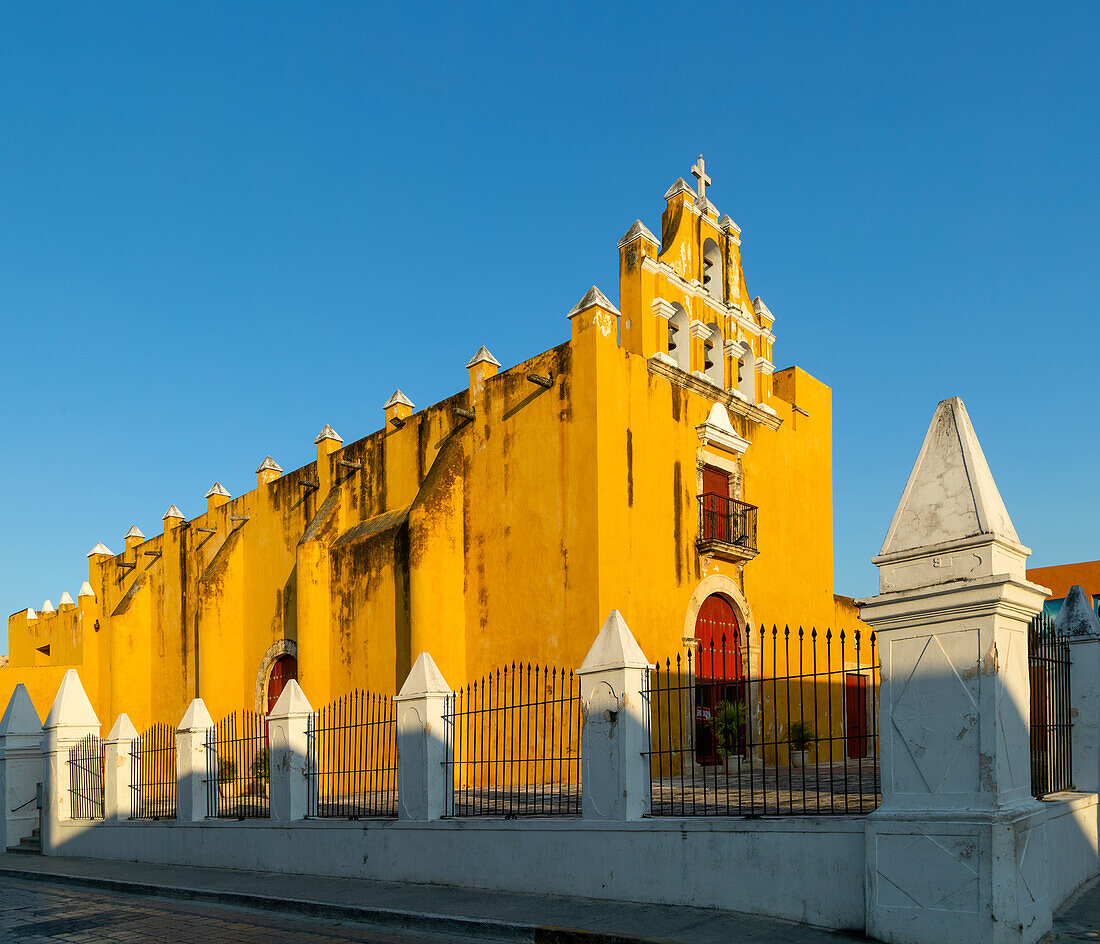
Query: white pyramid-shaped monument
(950, 495)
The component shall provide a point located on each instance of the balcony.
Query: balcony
(727, 528)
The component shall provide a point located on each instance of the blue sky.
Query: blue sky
(224, 226)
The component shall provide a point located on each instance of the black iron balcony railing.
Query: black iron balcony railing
(726, 521)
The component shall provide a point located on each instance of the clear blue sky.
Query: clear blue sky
(225, 225)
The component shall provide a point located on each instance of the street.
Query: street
(32, 911)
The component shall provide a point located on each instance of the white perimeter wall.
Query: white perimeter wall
(808, 869)
(1071, 844)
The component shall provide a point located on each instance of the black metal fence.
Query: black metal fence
(1049, 662)
(153, 773)
(790, 728)
(727, 521)
(86, 778)
(352, 746)
(513, 745)
(237, 767)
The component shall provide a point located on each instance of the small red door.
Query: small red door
(285, 669)
(716, 505)
(855, 700)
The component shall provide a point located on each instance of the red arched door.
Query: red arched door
(284, 669)
(718, 675)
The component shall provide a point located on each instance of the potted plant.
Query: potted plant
(728, 721)
(259, 773)
(227, 776)
(800, 736)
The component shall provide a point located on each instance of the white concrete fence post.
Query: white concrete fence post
(422, 745)
(191, 787)
(20, 767)
(614, 739)
(956, 852)
(118, 769)
(1077, 622)
(289, 765)
(70, 720)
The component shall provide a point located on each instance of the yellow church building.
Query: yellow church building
(653, 463)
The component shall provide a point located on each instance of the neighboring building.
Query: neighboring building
(1060, 577)
(653, 463)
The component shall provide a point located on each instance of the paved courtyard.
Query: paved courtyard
(34, 911)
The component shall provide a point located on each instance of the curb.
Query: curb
(423, 921)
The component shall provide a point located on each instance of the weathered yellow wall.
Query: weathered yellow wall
(503, 538)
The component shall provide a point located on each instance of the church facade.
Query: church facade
(653, 463)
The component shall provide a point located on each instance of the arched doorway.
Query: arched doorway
(718, 671)
(284, 669)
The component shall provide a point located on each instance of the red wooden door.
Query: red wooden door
(855, 700)
(285, 669)
(716, 505)
(717, 670)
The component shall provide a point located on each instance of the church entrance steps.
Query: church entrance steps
(454, 913)
(29, 845)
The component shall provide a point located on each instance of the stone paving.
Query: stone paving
(1079, 918)
(34, 911)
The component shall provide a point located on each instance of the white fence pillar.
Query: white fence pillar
(1078, 623)
(20, 767)
(422, 771)
(957, 850)
(289, 764)
(119, 782)
(70, 721)
(614, 742)
(191, 787)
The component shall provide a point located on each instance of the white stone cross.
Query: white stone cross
(700, 171)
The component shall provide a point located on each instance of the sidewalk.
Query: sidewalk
(435, 909)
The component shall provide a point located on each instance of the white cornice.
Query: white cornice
(717, 430)
(659, 364)
(695, 290)
(698, 329)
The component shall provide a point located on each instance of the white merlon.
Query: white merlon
(30, 614)
(762, 310)
(65, 600)
(614, 648)
(638, 231)
(728, 225)
(20, 717)
(46, 607)
(71, 706)
(172, 512)
(398, 399)
(216, 489)
(1077, 617)
(123, 730)
(86, 590)
(424, 679)
(268, 465)
(593, 298)
(101, 548)
(328, 433)
(681, 186)
(950, 495)
(135, 532)
(482, 357)
(196, 718)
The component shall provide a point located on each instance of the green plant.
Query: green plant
(227, 770)
(801, 735)
(728, 721)
(259, 765)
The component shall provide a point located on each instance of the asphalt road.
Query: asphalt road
(48, 912)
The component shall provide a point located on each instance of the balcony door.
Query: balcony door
(716, 505)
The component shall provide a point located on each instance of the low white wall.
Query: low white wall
(808, 869)
(1072, 848)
